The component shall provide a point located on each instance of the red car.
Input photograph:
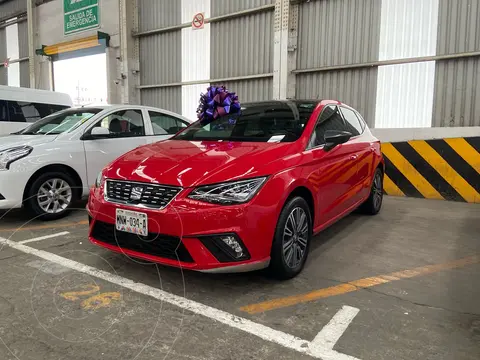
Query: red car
(245, 192)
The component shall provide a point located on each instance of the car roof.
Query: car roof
(289, 101)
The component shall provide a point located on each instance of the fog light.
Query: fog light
(233, 244)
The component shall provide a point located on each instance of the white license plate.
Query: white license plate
(132, 222)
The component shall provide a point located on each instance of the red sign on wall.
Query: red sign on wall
(198, 21)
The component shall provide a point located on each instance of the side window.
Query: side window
(330, 119)
(4, 111)
(352, 123)
(124, 123)
(165, 124)
(16, 113)
(363, 124)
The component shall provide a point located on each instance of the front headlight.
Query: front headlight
(99, 180)
(237, 192)
(13, 154)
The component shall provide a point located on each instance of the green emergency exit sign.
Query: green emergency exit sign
(80, 15)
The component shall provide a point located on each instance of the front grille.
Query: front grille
(140, 194)
(165, 246)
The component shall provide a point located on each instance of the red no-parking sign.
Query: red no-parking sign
(198, 21)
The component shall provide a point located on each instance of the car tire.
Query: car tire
(373, 204)
(294, 227)
(50, 196)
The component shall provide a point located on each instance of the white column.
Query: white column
(405, 92)
(195, 56)
(31, 43)
(129, 53)
(285, 49)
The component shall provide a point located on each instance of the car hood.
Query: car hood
(9, 141)
(186, 163)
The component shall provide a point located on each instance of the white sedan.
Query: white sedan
(54, 161)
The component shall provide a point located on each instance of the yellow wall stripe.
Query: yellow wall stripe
(466, 151)
(391, 188)
(417, 180)
(445, 170)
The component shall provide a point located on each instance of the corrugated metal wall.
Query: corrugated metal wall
(223, 7)
(356, 88)
(11, 8)
(457, 93)
(156, 14)
(332, 33)
(251, 90)
(243, 46)
(339, 32)
(161, 53)
(457, 81)
(159, 62)
(458, 26)
(169, 98)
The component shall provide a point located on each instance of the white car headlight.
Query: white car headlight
(99, 180)
(13, 154)
(236, 192)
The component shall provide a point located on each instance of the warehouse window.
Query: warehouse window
(13, 53)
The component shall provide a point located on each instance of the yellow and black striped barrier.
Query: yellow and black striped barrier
(446, 169)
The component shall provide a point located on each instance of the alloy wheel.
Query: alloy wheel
(54, 196)
(377, 190)
(295, 237)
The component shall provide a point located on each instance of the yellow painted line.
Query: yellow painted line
(357, 285)
(407, 169)
(53, 226)
(445, 170)
(100, 300)
(390, 187)
(466, 151)
(75, 295)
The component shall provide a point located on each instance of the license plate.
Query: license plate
(132, 222)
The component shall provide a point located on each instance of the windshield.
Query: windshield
(260, 122)
(60, 122)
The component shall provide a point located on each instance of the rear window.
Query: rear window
(21, 111)
(257, 122)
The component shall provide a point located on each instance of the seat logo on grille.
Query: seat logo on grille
(136, 193)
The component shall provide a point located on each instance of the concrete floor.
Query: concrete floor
(47, 311)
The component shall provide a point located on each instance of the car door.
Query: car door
(363, 149)
(332, 173)
(127, 131)
(164, 125)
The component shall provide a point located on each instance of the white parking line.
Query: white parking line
(331, 333)
(314, 349)
(43, 237)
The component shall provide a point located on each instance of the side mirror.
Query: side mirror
(99, 132)
(335, 137)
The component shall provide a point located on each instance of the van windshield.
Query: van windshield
(60, 122)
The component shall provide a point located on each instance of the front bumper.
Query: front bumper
(12, 186)
(189, 222)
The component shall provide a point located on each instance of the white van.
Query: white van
(20, 106)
